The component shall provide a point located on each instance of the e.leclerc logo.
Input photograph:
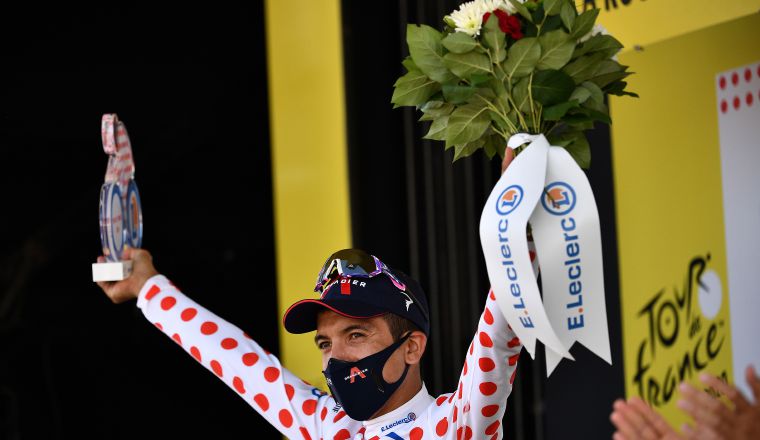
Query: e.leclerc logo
(558, 198)
(509, 199)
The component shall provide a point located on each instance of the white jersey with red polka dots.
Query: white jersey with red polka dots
(300, 411)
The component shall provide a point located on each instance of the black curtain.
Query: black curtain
(416, 210)
(190, 84)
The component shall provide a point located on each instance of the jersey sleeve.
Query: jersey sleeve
(297, 409)
(476, 408)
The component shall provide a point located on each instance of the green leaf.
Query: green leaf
(596, 106)
(553, 7)
(522, 58)
(458, 94)
(414, 88)
(409, 65)
(584, 23)
(494, 39)
(580, 150)
(465, 150)
(467, 123)
(584, 67)
(608, 78)
(599, 43)
(568, 13)
(580, 94)
(551, 87)
(438, 128)
(459, 42)
(618, 88)
(522, 10)
(596, 93)
(520, 95)
(556, 112)
(427, 52)
(556, 50)
(467, 64)
(493, 145)
(435, 109)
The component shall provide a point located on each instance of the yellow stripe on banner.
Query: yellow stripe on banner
(309, 163)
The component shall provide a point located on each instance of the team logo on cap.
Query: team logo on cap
(509, 199)
(558, 198)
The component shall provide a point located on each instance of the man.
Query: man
(372, 331)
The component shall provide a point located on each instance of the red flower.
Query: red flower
(509, 24)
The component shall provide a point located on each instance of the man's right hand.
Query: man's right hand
(142, 270)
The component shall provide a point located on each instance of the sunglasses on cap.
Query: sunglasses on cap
(353, 263)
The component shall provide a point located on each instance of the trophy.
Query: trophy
(121, 221)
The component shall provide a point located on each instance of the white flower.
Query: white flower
(469, 17)
(509, 7)
(598, 29)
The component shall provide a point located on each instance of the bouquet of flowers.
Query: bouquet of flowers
(502, 67)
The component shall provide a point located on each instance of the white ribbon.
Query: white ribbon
(544, 186)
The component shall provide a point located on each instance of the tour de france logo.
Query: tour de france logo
(558, 198)
(509, 199)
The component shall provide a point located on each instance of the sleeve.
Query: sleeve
(476, 408)
(297, 409)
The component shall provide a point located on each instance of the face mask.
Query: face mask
(359, 386)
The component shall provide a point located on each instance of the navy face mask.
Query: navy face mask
(359, 386)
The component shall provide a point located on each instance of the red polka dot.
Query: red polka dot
(490, 410)
(464, 370)
(262, 401)
(466, 408)
(209, 328)
(416, 433)
(747, 75)
(513, 359)
(375, 438)
(492, 428)
(168, 302)
(737, 102)
(460, 391)
(237, 383)
(439, 401)
(454, 418)
(196, 353)
(488, 317)
(289, 391)
(152, 292)
(464, 432)
(305, 433)
(250, 359)
(271, 374)
(723, 106)
(485, 340)
(735, 78)
(217, 368)
(442, 427)
(339, 416)
(343, 434)
(188, 314)
(323, 414)
(451, 398)
(472, 346)
(758, 71)
(487, 388)
(229, 343)
(749, 99)
(495, 437)
(177, 339)
(486, 364)
(514, 342)
(158, 324)
(309, 407)
(286, 418)
(492, 296)
(722, 82)
(512, 378)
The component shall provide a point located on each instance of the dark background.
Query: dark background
(190, 84)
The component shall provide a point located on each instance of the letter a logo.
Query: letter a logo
(356, 372)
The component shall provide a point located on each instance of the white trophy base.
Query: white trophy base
(117, 271)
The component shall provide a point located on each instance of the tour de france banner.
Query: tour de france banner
(544, 187)
(685, 167)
